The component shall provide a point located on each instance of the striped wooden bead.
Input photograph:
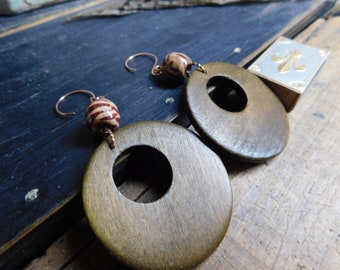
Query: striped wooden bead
(102, 118)
(176, 66)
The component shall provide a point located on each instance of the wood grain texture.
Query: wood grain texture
(44, 60)
(254, 131)
(305, 19)
(15, 6)
(15, 24)
(169, 231)
(286, 212)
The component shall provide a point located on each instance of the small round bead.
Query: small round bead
(176, 66)
(102, 117)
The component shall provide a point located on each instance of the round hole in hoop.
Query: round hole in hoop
(142, 174)
(227, 94)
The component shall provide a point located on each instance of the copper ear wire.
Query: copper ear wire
(61, 99)
(155, 68)
(176, 66)
(102, 115)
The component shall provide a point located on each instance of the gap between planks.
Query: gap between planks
(63, 254)
(52, 17)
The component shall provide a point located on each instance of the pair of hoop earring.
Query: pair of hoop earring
(254, 130)
(196, 208)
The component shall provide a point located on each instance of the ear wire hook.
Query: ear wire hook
(61, 99)
(155, 68)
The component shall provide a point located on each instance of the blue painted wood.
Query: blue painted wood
(11, 22)
(18, 6)
(41, 151)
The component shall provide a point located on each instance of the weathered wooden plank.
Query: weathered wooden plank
(286, 212)
(18, 6)
(90, 54)
(14, 24)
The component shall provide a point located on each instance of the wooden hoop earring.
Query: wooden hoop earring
(167, 233)
(254, 131)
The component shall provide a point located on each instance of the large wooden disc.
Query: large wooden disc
(180, 229)
(254, 133)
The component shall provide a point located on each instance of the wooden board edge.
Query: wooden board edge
(293, 29)
(51, 226)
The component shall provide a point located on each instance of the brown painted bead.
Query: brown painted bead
(176, 66)
(102, 118)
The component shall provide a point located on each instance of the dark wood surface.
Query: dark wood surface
(42, 61)
(286, 210)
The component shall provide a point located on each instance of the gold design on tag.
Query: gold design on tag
(289, 61)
